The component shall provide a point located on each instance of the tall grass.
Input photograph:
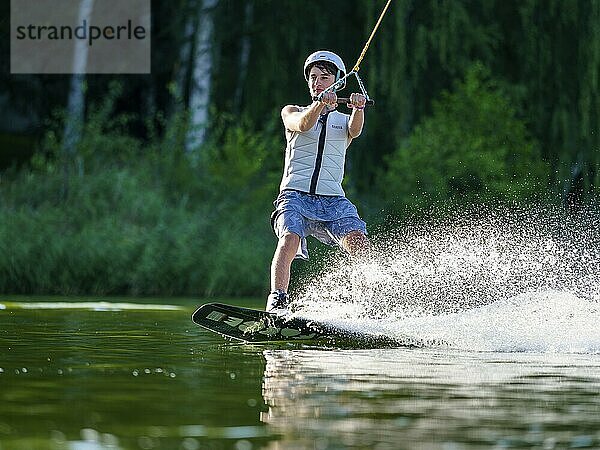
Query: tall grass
(141, 217)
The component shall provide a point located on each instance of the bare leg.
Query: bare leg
(356, 243)
(282, 261)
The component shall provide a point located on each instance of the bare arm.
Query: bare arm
(296, 120)
(357, 118)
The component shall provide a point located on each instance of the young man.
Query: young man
(311, 201)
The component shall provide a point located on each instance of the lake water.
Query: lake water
(137, 374)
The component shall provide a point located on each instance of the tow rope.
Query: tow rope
(356, 67)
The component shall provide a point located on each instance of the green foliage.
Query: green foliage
(550, 49)
(238, 158)
(472, 149)
(158, 221)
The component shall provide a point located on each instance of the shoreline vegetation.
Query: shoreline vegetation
(122, 215)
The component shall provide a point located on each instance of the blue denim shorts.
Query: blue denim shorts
(326, 218)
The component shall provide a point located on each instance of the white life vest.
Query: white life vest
(315, 159)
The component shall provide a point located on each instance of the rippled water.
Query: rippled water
(92, 375)
(431, 399)
(108, 375)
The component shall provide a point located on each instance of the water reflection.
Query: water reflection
(102, 375)
(148, 379)
(401, 398)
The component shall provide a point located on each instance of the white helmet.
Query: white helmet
(324, 55)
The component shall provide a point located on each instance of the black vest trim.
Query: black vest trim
(320, 149)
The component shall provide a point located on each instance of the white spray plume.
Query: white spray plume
(514, 281)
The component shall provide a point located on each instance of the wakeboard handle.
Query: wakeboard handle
(344, 101)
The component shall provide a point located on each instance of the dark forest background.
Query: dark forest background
(162, 184)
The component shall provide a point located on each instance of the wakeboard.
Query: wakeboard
(260, 327)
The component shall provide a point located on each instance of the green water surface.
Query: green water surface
(137, 374)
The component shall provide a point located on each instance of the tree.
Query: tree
(472, 149)
(76, 103)
(558, 61)
(202, 66)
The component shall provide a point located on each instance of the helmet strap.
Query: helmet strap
(338, 76)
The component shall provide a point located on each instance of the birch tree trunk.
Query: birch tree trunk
(76, 99)
(201, 77)
(182, 75)
(244, 56)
